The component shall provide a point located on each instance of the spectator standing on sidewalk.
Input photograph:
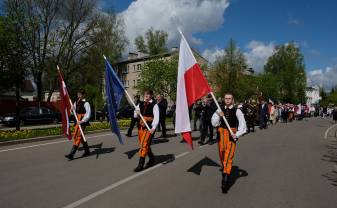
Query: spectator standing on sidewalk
(133, 120)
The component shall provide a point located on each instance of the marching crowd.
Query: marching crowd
(230, 121)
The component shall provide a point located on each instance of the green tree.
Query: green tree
(287, 65)
(160, 75)
(155, 42)
(13, 53)
(268, 86)
(140, 44)
(227, 71)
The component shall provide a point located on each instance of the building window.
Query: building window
(128, 82)
(134, 68)
(139, 67)
(134, 82)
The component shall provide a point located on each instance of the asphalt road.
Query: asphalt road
(287, 165)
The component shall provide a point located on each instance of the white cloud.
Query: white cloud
(324, 78)
(212, 54)
(258, 54)
(192, 16)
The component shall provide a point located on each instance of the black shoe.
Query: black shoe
(201, 143)
(86, 150)
(73, 150)
(224, 183)
(182, 141)
(221, 169)
(151, 161)
(128, 135)
(140, 166)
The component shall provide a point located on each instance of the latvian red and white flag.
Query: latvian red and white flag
(191, 86)
(65, 106)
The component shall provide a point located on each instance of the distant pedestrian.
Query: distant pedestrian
(133, 119)
(162, 104)
(207, 128)
(334, 114)
(263, 112)
(197, 108)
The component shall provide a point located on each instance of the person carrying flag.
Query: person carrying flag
(227, 142)
(150, 111)
(83, 111)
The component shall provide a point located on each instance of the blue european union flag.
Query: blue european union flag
(114, 93)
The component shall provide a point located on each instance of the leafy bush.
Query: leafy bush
(31, 133)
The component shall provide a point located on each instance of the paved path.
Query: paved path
(288, 165)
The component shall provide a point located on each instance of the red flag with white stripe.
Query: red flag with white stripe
(65, 106)
(191, 86)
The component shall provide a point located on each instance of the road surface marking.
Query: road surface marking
(327, 131)
(44, 144)
(116, 184)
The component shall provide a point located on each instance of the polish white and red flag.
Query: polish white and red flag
(191, 86)
(65, 106)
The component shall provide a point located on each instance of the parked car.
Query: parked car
(34, 115)
(125, 112)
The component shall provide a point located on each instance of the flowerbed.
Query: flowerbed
(31, 133)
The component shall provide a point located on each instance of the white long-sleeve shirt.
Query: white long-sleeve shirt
(87, 114)
(242, 128)
(155, 121)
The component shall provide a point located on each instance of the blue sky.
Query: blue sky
(256, 25)
(312, 24)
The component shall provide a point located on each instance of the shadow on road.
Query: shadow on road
(196, 169)
(132, 153)
(164, 158)
(159, 141)
(235, 174)
(98, 149)
(331, 156)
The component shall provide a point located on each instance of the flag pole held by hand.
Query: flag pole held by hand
(75, 114)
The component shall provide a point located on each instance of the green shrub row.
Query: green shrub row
(10, 135)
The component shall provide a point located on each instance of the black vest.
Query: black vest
(80, 109)
(146, 109)
(230, 115)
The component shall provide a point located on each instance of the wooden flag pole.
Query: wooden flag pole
(133, 103)
(75, 114)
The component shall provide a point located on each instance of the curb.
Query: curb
(44, 138)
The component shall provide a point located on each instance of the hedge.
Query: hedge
(31, 133)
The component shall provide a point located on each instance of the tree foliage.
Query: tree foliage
(160, 75)
(72, 34)
(227, 74)
(287, 67)
(13, 54)
(155, 42)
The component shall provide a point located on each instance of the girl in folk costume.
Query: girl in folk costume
(83, 111)
(227, 142)
(150, 111)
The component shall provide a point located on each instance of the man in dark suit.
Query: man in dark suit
(162, 104)
(263, 112)
(133, 120)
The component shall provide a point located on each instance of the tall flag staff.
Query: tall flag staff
(65, 99)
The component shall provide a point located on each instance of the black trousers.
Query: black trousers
(132, 125)
(207, 129)
(162, 125)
